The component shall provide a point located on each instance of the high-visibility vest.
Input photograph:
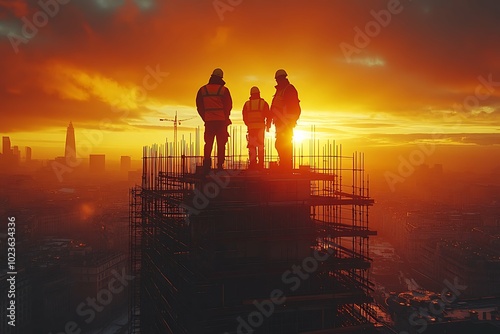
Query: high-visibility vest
(254, 113)
(279, 99)
(282, 114)
(213, 105)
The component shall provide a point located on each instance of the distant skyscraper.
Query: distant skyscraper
(15, 151)
(6, 146)
(125, 163)
(97, 163)
(70, 148)
(28, 154)
(16, 154)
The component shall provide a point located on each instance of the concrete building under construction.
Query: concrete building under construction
(240, 251)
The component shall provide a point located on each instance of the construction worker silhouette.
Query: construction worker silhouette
(214, 105)
(257, 118)
(285, 111)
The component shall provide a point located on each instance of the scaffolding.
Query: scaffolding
(135, 218)
(241, 251)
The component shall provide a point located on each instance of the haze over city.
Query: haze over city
(380, 77)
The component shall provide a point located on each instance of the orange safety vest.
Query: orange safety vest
(281, 114)
(213, 105)
(279, 99)
(253, 111)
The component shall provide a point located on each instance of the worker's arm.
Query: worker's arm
(292, 103)
(228, 104)
(244, 113)
(199, 105)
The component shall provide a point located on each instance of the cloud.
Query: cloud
(92, 57)
(366, 61)
(483, 139)
(13, 8)
(370, 125)
(72, 83)
(479, 139)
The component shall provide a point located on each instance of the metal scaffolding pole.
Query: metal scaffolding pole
(208, 248)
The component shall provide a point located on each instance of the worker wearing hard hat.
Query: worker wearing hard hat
(285, 111)
(214, 105)
(257, 118)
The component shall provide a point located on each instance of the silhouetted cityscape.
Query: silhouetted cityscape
(71, 239)
(249, 167)
(433, 263)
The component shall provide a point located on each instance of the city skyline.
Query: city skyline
(384, 77)
(70, 153)
(388, 221)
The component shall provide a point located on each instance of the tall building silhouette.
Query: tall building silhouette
(6, 150)
(8, 159)
(15, 151)
(243, 252)
(16, 155)
(70, 148)
(125, 163)
(28, 154)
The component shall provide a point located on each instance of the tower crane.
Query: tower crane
(176, 122)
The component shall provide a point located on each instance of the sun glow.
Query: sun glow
(300, 135)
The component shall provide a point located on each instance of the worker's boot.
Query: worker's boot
(220, 160)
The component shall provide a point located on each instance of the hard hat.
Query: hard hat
(254, 90)
(218, 72)
(280, 73)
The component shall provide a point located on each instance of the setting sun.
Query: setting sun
(382, 91)
(300, 135)
(233, 166)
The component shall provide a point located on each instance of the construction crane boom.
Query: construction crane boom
(176, 122)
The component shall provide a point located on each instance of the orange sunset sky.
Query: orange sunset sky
(377, 76)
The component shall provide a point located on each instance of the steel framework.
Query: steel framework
(238, 251)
